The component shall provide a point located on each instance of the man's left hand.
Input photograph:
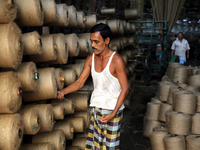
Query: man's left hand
(107, 118)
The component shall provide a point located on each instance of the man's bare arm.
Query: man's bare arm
(188, 54)
(172, 53)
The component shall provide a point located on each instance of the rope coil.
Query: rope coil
(174, 142)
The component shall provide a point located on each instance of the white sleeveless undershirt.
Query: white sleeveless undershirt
(106, 88)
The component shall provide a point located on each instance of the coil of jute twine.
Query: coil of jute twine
(170, 68)
(87, 37)
(131, 14)
(11, 45)
(174, 93)
(163, 91)
(73, 44)
(153, 110)
(11, 93)
(102, 21)
(72, 17)
(161, 128)
(165, 78)
(77, 123)
(50, 11)
(172, 141)
(193, 142)
(180, 123)
(193, 88)
(49, 50)
(180, 74)
(171, 90)
(81, 142)
(156, 139)
(81, 19)
(62, 49)
(45, 116)
(31, 120)
(32, 43)
(85, 115)
(194, 80)
(150, 124)
(59, 78)
(46, 88)
(67, 128)
(70, 76)
(195, 129)
(56, 137)
(37, 146)
(78, 67)
(114, 26)
(84, 45)
(156, 100)
(163, 108)
(167, 117)
(106, 11)
(73, 148)
(29, 13)
(80, 100)
(68, 105)
(198, 101)
(28, 76)
(58, 111)
(11, 128)
(91, 20)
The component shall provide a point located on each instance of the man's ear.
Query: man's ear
(107, 40)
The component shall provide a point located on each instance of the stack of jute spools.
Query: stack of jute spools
(172, 116)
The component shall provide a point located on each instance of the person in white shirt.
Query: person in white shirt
(180, 46)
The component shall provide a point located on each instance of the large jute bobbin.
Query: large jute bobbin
(29, 13)
(91, 20)
(78, 67)
(171, 90)
(165, 78)
(37, 146)
(32, 43)
(78, 124)
(198, 101)
(50, 11)
(153, 110)
(85, 115)
(178, 92)
(156, 139)
(31, 120)
(49, 50)
(11, 45)
(58, 111)
(81, 142)
(102, 21)
(163, 108)
(194, 80)
(72, 17)
(193, 142)
(193, 88)
(62, 49)
(86, 36)
(163, 91)
(67, 128)
(11, 128)
(56, 137)
(45, 116)
(70, 76)
(167, 117)
(11, 93)
(156, 100)
(170, 69)
(73, 44)
(84, 45)
(106, 11)
(180, 123)
(28, 76)
(195, 129)
(46, 88)
(81, 19)
(149, 127)
(59, 78)
(130, 14)
(114, 26)
(80, 100)
(68, 105)
(172, 141)
(73, 148)
(180, 74)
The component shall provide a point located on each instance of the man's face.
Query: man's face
(180, 36)
(98, 44)
(159, 37)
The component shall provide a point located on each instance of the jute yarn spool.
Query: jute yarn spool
(10, 92)
(11, 128)
(195, 129)
(193, 142)
(180, 74)
(156, 100)
(87, 37)
(32, 43)
(78, 67)
(80, 100)
(161, 128)
(8, 11)
(73, 44)
(84, 45)
(130, 14)
(178, 92)
(163, 91)
(165, 78)
(50, 11)
(152, 110)
(29, 13)
(59, 78)
(163, 108)
(70, 76)
(198, 102)
(45, 116)
(73, 148)
(81, 19)
(31, 120)
(85, 115)
(167, 117)
(171, 68)
(28, 76)
(194, 80)
(77, 123)
(67, 128)
(180, 123)
(68, 105)
(121, 28)
(81, 142)
(114, 26)
(193, 88)
(149, 127)
(49, 50)
(11, 47)
(156, 139)
(102, 21)
(56, 137)
(174, 142)
(46, 88)
(91, 20)
(58, 111)
(72, 16)
(62, 49)
(38, 146)
(106, 11)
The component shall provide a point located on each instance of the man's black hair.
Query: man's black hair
(180, 33)
(159, 34)
(104, 29)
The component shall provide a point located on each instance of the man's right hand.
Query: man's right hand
(60, 95)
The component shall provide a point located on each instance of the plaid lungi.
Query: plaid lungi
(103, 136)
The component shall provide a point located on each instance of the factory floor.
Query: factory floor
(132, 123)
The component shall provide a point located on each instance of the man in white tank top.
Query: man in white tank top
(110, 89)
